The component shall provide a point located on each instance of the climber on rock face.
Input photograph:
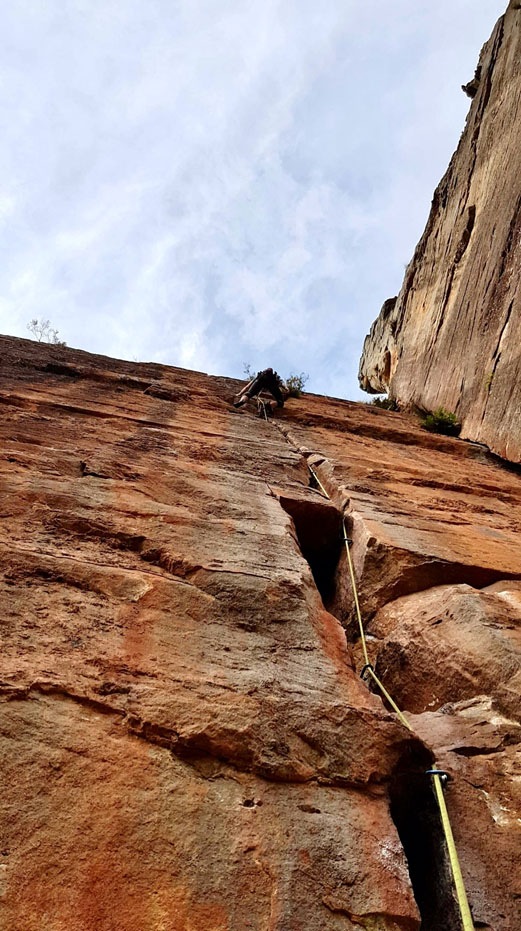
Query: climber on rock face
(267, 380)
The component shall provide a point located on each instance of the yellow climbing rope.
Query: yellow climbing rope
(437, 775)
(368, 666)
(466, 917)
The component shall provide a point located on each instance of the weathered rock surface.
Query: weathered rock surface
(452, 336)
(185, 738)
(466, 703)
(434, 523)
(423, 509)
(185, 742)
(474, 635)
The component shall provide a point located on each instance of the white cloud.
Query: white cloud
(204, 182)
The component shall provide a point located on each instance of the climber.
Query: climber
(267, 380)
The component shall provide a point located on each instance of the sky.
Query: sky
(208, 183)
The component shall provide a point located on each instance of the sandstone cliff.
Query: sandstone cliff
(186, 743)
(452, 336)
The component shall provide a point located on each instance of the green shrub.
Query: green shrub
(295, 384)
(488, 381)
(387, 404)
(441, 421)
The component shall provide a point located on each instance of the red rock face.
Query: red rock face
(434, 524)
(451, 338)
(186, 741)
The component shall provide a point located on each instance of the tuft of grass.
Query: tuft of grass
(441, 421)
(387, 404)
(488, 381)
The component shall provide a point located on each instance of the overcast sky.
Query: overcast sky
(211, 182)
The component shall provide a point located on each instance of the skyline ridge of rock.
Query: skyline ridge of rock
(451, 338)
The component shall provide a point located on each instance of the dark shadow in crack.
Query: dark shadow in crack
(415, 813)
(318, 526)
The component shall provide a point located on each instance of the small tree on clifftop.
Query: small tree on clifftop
(43, 332)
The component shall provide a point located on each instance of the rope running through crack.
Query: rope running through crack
(437, 775)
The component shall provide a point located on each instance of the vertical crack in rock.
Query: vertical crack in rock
(318, 527)
(496, 356)
(495, 41)
(416, 816)
(497, 351)
(433, 526)
(413, 809)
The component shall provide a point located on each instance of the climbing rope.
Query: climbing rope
(438, 776)
(261, 406)
(368, 668)
(466, 917)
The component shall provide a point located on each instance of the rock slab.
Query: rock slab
(186, 740)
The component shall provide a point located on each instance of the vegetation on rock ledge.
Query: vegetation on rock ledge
(441, 421)
(43, 332)
(387, 404)
(295, 384)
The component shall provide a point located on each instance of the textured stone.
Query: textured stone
(451, 655)
(452, 336)
(479, 748)
(185, 741)
(424, 510)
(185, 738)
(474, 635)
(104, 830)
